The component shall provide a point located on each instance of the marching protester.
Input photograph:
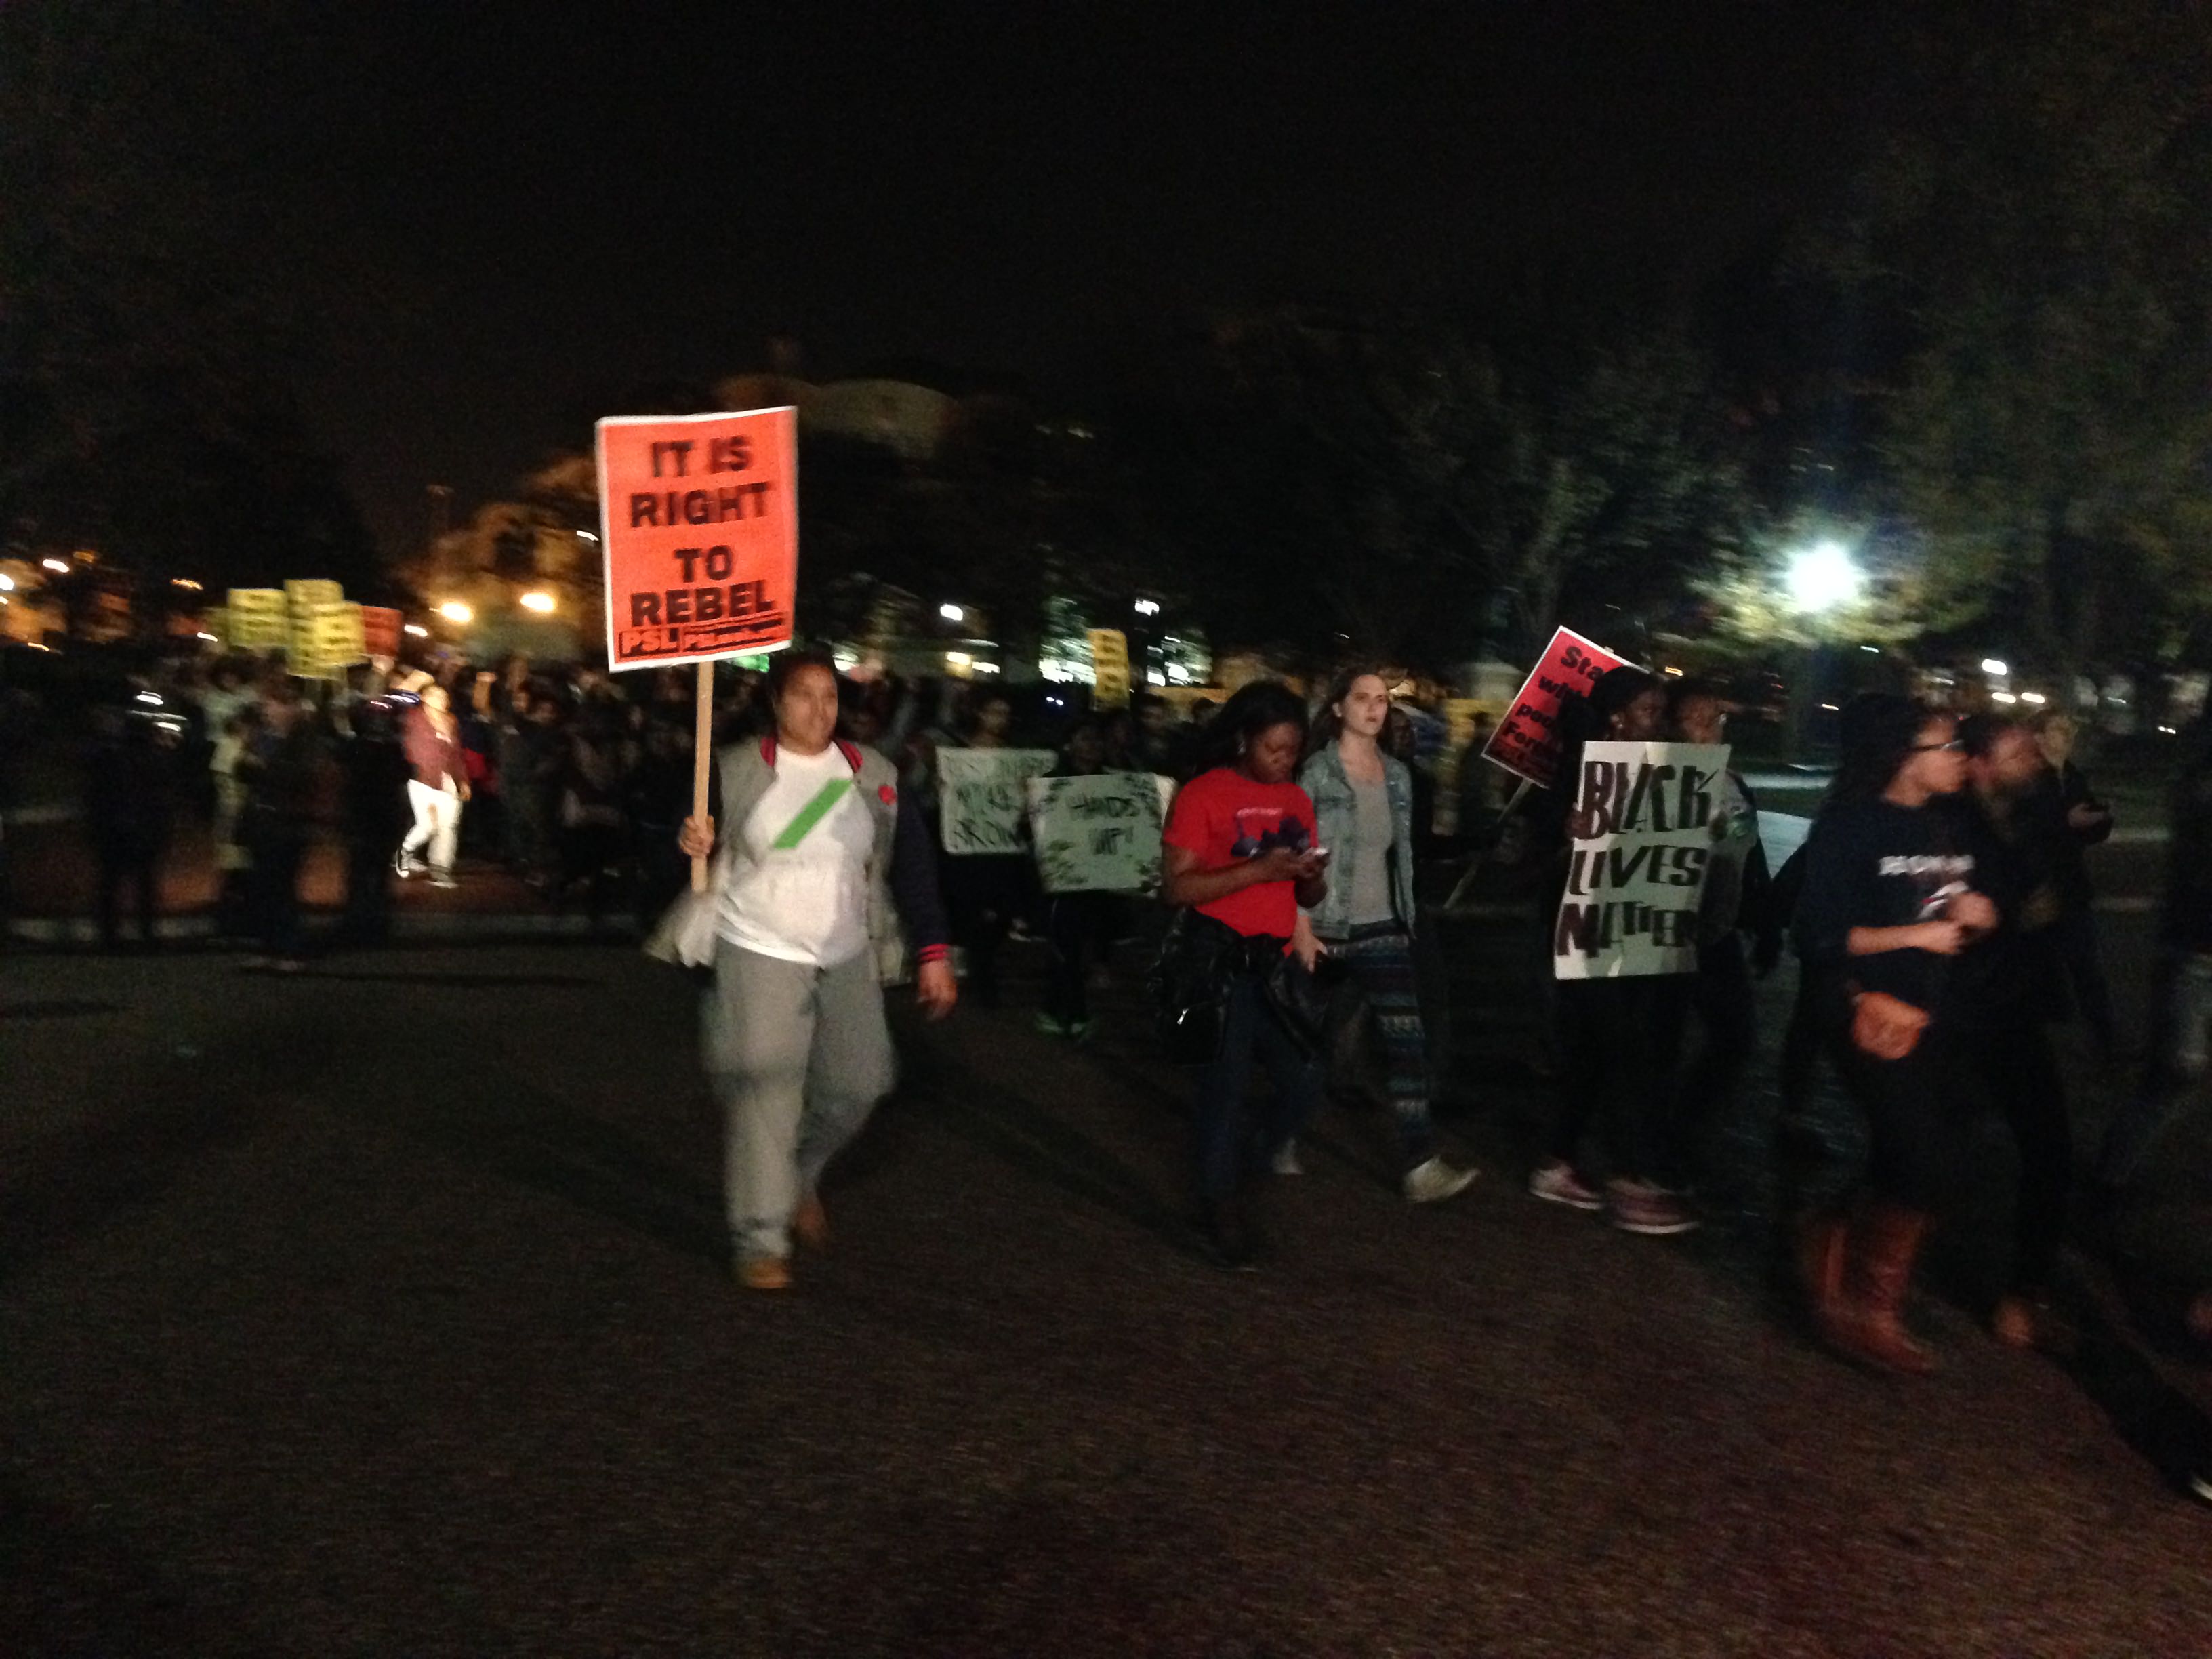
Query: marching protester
(281, 770)
(1614, 1035)
(438, 789)
(1080, 928)
(1889, 906)
(2088, 822)
(987, 892)
(1362, 801)
(2011, 990)
(130, 807)
(1734, 928)
(375, 771)
(820, 856)
(1239, 859)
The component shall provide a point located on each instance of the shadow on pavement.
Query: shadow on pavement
(71, 1182)
(1043, 1146)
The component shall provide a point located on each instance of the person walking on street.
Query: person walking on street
(820, 856)
(1239, 857)
(439, 787)
(282, 771)
(2088, 822)
(131, 809)
(1889, 905)
(1080, 928)
(2012, 990)
(1614, 1035)
(1362, 800)
(1734, 929)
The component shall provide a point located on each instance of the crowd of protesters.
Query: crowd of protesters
(1941, 912)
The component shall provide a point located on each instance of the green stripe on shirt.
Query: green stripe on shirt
(810, 815)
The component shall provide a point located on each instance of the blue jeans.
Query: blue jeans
(1249, 1028)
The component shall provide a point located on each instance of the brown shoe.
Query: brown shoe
(2014, 1322)
(1878, 1273)
(810, 1224)
(764, 1273)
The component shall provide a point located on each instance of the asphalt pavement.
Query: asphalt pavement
(381, 1310)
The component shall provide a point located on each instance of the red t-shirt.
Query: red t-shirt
(1222, 815)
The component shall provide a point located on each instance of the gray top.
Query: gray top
(1370, 866)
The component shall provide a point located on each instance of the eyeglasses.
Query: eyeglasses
(1955, 745)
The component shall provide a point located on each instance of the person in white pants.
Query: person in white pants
(438, 787)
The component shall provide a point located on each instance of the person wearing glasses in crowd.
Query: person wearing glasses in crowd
(1891, 904)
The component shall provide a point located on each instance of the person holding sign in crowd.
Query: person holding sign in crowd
(1733, 911)
(822, 854)
(1616, 1035)
(1079, 925)
(1364, 814)
(1240, 859)
(1889, 906)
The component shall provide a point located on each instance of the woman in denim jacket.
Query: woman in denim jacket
(1364, 806)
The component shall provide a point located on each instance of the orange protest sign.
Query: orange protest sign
(699, 527)
(1527, 742)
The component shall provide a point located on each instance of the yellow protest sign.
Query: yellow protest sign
(258, 618)
(1109, 666)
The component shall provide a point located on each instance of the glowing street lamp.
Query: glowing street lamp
(1996, 667)
(1148, 607)
(540, 602)
(454, 611)
(1823, 578)
(950, 612)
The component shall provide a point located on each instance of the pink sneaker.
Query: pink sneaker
(1556, 1182)
(1639, 1206)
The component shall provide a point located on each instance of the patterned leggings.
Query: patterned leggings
(1380, 958)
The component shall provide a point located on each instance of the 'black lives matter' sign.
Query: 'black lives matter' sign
(1646, 818)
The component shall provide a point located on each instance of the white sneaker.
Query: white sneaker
(1435, 1181)
(405, 863)
(1285, 1161)
(440, 878)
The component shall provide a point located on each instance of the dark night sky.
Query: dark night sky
(504, 213)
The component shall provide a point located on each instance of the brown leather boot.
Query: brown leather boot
(1883, 1245)
(1821, 1241)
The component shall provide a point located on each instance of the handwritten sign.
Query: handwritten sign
(699, 526)
(981, 797)
(1097, 834)
(1527, 742)
(1635, 881)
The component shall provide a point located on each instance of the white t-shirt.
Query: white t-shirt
(800, 893)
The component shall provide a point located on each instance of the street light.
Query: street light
(540, 602)
(59, 566)
(1148, 607)
(7, 583)
(454, 611)
(1996, 667)
(950, 612)
(1823, 578)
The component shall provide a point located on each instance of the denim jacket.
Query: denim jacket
(1336, 813)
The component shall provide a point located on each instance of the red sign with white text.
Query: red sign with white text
(699, 527)
(1527, 742)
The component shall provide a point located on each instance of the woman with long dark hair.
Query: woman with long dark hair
(1362, 801)
(1889, 905)
(1239, 854)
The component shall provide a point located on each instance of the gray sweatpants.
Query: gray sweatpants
(798, 1057)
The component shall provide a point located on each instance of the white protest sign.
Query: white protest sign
(1099, 834)
(1634, 882)
(980, 797)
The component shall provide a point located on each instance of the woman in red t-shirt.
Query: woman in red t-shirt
(1238, 850)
